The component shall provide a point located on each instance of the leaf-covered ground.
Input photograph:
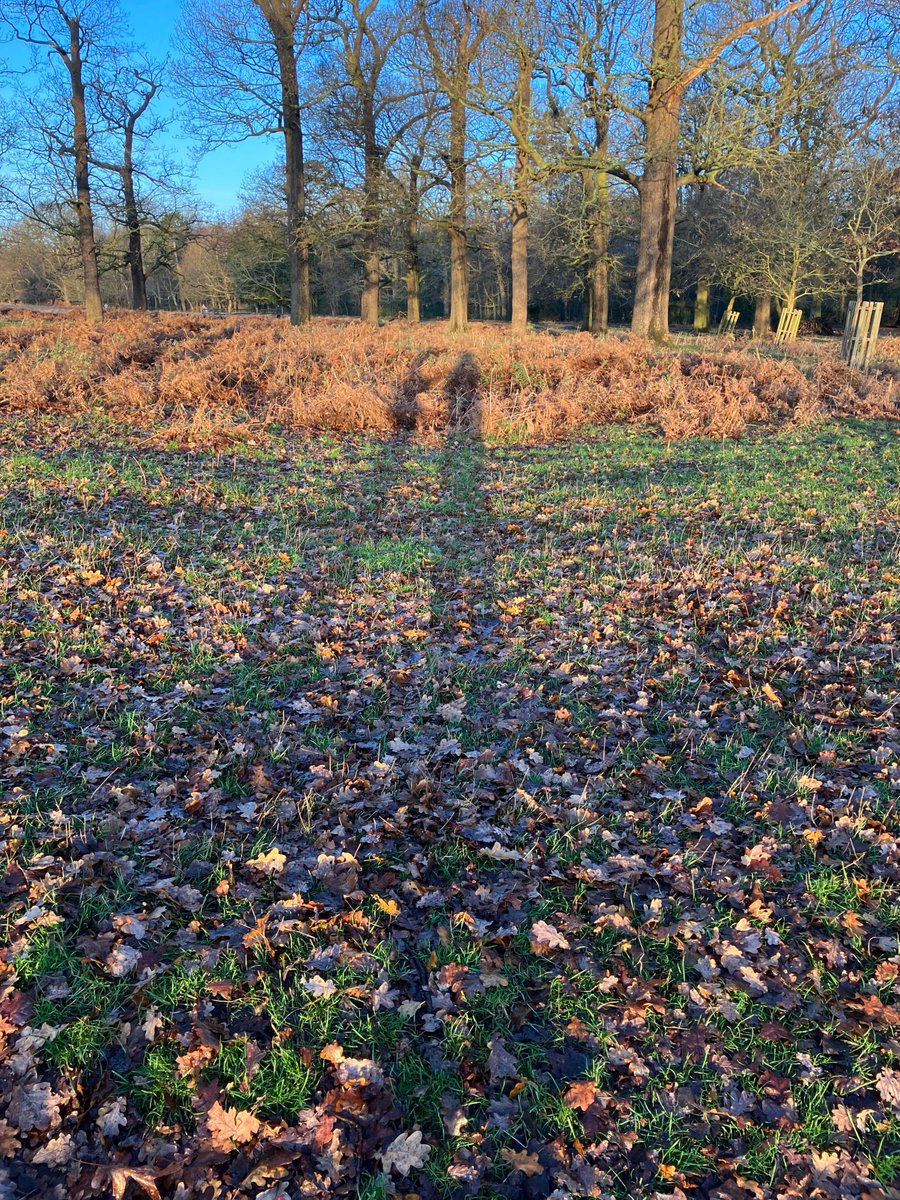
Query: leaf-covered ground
(437, 819)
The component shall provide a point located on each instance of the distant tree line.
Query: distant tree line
(577, 160)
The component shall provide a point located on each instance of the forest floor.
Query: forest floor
(437, 818)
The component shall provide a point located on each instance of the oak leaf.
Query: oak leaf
(229, 1127)
(272, 862)
(501, 1063)
(544, 937)
(406, 1153)
(521, 1160)
(581, 1094)
(143, 1177)
(57, 1152)
(888, 1086)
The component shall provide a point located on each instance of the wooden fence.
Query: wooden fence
(861, 332)
(788, 325)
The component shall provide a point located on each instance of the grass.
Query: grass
(642, 693)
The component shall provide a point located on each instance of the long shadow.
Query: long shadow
(467, 577)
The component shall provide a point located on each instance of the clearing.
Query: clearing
(439, 818)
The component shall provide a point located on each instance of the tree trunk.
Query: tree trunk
(369, 305)
(413, 311)
(133, 225)
(599, 325)
(93, 304)
(701, 305)
(521, 114)
(519, 316)
(595, 183)
(657, 186)
(459, 248)
(295, 180)
(762, 317)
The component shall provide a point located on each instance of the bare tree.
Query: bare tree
(77, 34)
(370, 108)
(123, 102)
(454, 32)
(591, 51)
(524, 34)
(870, 198)
(412, 162)
(240, 74)
(657, 180)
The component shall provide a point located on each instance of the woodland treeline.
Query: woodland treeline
(640, 160)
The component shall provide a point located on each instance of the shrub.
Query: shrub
(211, 378)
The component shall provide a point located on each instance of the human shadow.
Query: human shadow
(405, 406)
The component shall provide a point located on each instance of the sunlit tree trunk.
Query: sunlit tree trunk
(413, 281)
(93, 304)
(282, 29)
(657, 186)
(521, 115)
(370, 305)
(595, 184)
(459, 246)
(762, 317)
(701, 305)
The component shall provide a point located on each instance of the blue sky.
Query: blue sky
(220, 174)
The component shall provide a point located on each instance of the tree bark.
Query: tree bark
(519, 315)
(93, 304)
(657, 228)
(133, 225)
(762, 317)
(595, 185)
(521, 114)
(657, 187)
(298, 237)
(701, 305)
(599, 325)
(369, 305)
(459, 246)
(413, 311)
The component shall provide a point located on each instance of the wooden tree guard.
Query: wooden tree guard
(728, 322)
(861, 332)
(788, 325)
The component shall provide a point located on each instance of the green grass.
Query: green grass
(464, 688)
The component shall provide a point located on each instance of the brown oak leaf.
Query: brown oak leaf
(229, 1127)
(581, 1094)
(521, 1160)
(544, 937)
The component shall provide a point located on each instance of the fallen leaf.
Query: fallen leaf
(581, 1094)
(57, 1152)
(501, 1063)
(229, 1127)
(406, 1153)
(144, 1177)
(272, 862)
(521, 1160)
(544, 937)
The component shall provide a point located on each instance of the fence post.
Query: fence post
(788, 324)
(861, 332)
